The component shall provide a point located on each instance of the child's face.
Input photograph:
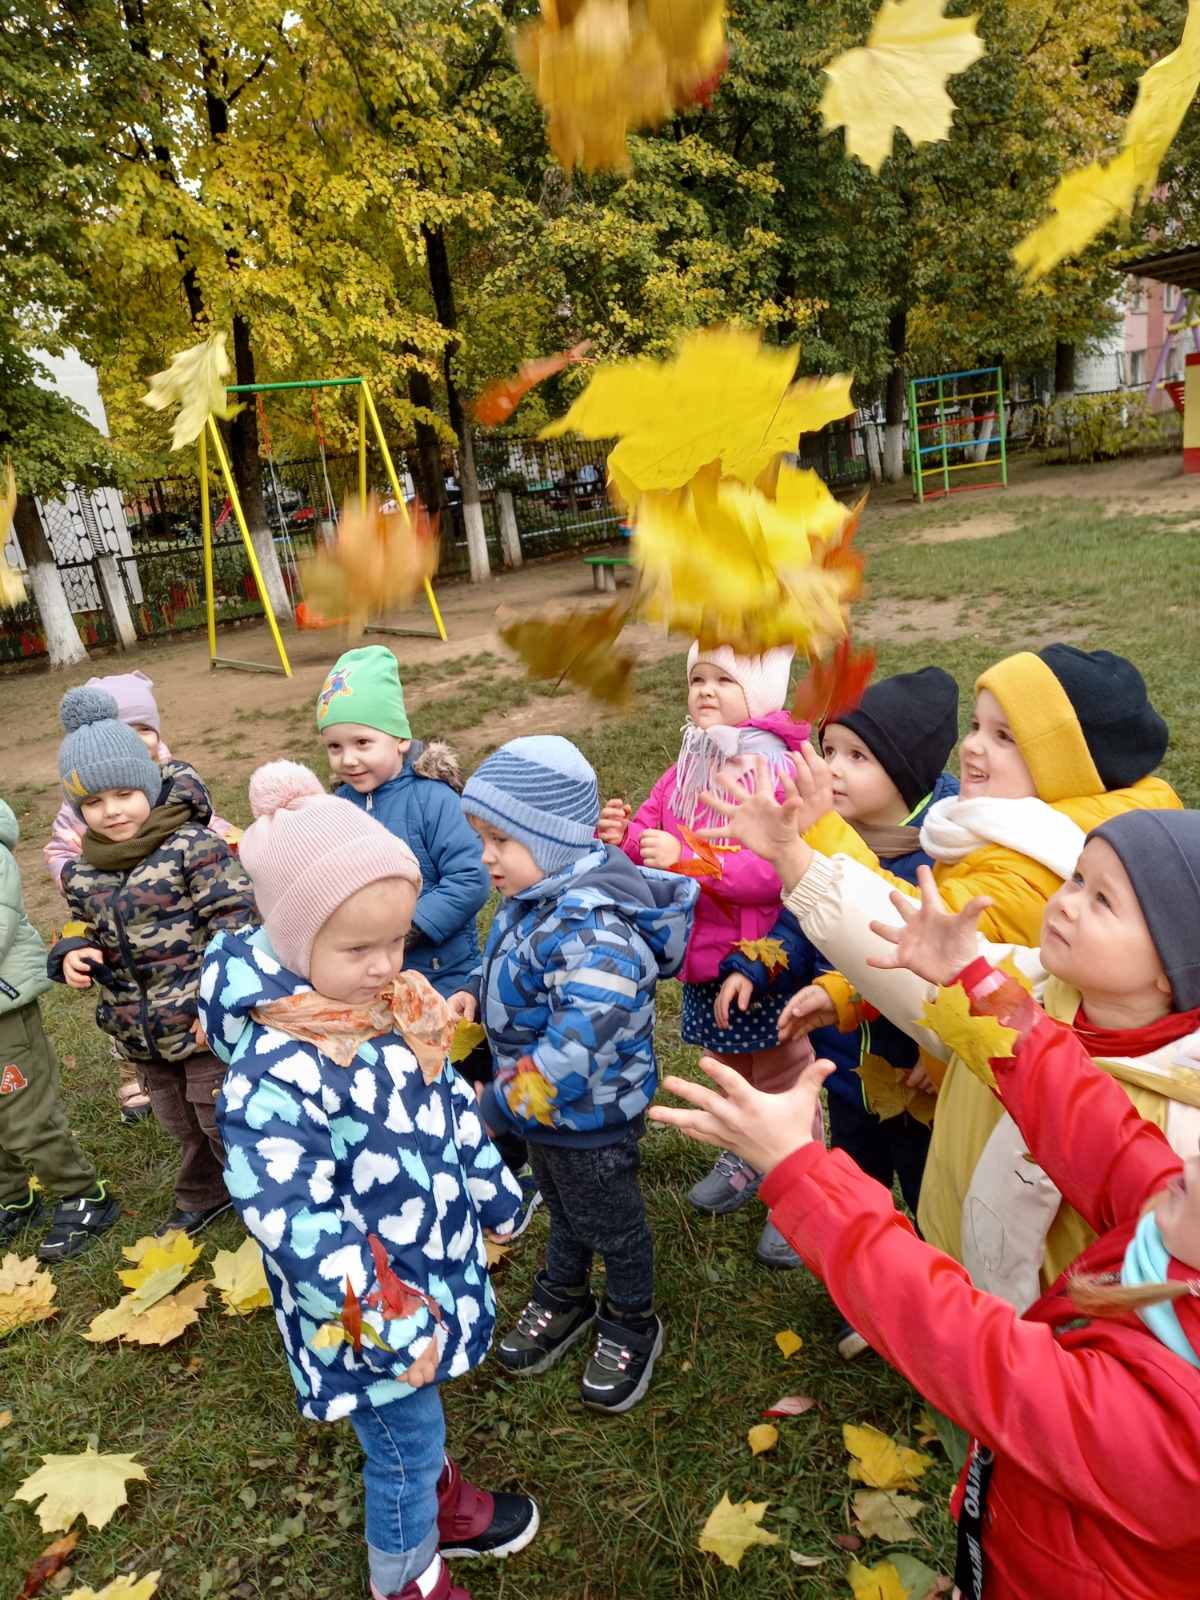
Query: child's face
(510, 865)
(1095, 938)
(361, 948)
(363, 757)
(1178, 1214)
(714, 698)
(988, 758)
(862, 790)
(115, 814)
(148, 736)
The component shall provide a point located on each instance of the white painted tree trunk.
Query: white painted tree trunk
(65, 647)
(893, 452)
(510, 536)
(870, 435)
(477, 550)
(115, 602)
(267, 552)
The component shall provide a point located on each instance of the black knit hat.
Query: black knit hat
(909, 723)
(1124, 733)
(1160, 850)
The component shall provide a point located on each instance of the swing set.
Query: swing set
(211, 433)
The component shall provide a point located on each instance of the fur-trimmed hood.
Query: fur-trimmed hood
(434, 758)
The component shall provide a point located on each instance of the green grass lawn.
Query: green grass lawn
(245, 1499)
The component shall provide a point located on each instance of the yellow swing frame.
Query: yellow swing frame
(210, 431)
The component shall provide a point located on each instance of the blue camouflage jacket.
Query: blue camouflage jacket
(567, 984)
(318, 1157)
(422, 806)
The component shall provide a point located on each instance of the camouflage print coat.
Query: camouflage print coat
(152, 923)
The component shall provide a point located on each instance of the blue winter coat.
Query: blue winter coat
(568, 980)
(319, 1156)
(422, 807)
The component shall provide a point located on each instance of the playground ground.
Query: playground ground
(244, 1499)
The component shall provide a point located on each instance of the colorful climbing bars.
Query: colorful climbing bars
(948, 434)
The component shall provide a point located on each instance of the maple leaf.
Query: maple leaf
(530, 1094)
(789, 1342)
(126, 1587)
(52, 1559)
(152, 1254)
(195, 381)
(88, 1485)
(887, 1094)
(27, 1293)
(496, 1250)
(380, 559)
(731, 1529)
(879, 1461)
(466, 1036)
(576, 644)
(500, 399)
(976, 1041)
(879, 1514)
(763, 1436)
(834, 686)
(791, 1405)
(166, 1319)
(769, 951)
(881, 1582)
(241, 1278)
(12, 588)
(704, 861)
(394, 1297)
(899, 79)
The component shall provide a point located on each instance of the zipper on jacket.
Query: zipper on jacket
(127, 952)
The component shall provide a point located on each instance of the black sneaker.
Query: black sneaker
(547, 1328)
(531, 1199)
(77, 1222)
(618, 1374)
(192, 1221)
(15, 1219)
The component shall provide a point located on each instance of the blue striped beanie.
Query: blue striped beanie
(541, 792)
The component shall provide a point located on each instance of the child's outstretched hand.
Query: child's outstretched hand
(77, 966)
(934, 943)
(614, 822)
(737, 990)
(770, 827)
(761, 1128)
(808, 1008)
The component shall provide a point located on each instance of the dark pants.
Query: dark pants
(34, 1134)
(184, 1098)
(885, 1150)
(479, 1068)
(596, 1208)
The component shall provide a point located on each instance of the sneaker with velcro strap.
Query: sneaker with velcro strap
(546, 1329)
(77, 1222)
(476, 1522)
(727, 1187)
(618, 1374)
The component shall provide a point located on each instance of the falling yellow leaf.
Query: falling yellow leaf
(241, 1278)
(466, 1036)
(976, 1041)
(881, 1514)
(530, 1094)
(88, 1485)
(27, 1293)
(763, 1436)
(154, 1253)
(575, 644)
(899, 79)
(789, 1342)
(732, 1529)
(769, 951)
(195, 381)
(880, 1582)
(879, 1461)
(126, 1587)
(12, 589)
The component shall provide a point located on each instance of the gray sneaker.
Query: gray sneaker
(727, 1187)
(546, 1329)
(773, 1250)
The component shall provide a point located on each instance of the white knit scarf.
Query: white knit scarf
(954, 827)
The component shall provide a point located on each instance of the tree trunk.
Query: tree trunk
(870, 434)
(1064, 368)
(65, 647)
(247, 474)
(893, 434)
(442, 288)
(427, 465)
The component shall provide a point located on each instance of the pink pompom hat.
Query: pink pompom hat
(307, 852)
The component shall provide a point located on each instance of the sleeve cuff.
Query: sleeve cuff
(789, 1171)
(807, 895)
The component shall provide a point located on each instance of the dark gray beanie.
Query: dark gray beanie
(1160, 850)
(100, 752)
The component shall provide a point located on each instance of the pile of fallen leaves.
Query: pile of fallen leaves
(157, 1310)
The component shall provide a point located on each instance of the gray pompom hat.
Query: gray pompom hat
(99, 751)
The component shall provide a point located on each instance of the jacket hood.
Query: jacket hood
(783, 726)
(239, 970)
(436, 760)
(10, 830)
(182, 785)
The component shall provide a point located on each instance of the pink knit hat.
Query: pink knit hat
(762, 679)
(307, 853)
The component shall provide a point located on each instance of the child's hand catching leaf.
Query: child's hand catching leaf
(658, 848)
(463, 1005)
(761, 1128)
(934, 943)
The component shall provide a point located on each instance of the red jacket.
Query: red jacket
(1095, 1492)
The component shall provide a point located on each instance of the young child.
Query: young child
(886, 760)
(735, 713)
(34, 1134)
(138, 709)
(1084, 1474)
(566, 993)
(152, 885)
(358, 1161)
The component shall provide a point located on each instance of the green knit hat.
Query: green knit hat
(363, 686)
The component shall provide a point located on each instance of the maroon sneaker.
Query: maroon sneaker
(433, 1584)
(472, 1522)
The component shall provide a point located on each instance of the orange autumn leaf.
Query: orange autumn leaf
(833, 686)
(530, 1094)
(380, 559)
(351, 1318)
(704, 861)
(394, 1297)
(52, 1559)
(838, 553)
(500, 399)
(576, 644)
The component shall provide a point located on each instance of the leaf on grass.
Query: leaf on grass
(153, 1254)
(799, 1559)
(27, 1293)
(576, 644)
(769, 951)
(499, 400)
(763, 1436)
(922, 1582)
(833, 686)
(881, 1514)
(881, 1582)
(88, 1485)
(466, 1036)
(791, 1405)
(732, 1529)
(126, 1587)
(52, 1559)
(241, 1278)
(496, 1251)
(5, 1419)
(789, 1342)
(167, 1319)
(927, 1429)
(879, 1461)
(899, 79)
(976, 1041)
(195, 381)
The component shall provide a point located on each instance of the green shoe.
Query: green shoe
(547, 1328)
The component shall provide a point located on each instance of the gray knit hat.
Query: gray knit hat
(100, 752)
(541, 792)
(1160, 850)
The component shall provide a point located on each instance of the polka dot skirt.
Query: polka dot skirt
(755, 1029)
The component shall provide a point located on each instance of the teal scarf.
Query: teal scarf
(1146, 1261)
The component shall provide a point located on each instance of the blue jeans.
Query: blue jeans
(404, 1449)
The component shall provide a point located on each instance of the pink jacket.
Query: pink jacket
(68, 829)
(744, 902)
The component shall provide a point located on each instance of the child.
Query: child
(735, 712)
(886, 760)
(358, 1161)
(1083, 1477)
(153, 883)
(138, 709)
(566, 993)
(997, 1213)
(34, 1135)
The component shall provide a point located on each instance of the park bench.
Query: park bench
(604, 571)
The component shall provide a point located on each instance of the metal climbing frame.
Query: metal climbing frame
(942, 422)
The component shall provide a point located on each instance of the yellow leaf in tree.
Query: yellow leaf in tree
(732, 1529)
(769, 951)
(26, 1293)
(881, 1514)
(882, 1582)
(466, 1036)
(241, 1278)
(88, 1485)
(126, 1587)
(789, 1342)
(899, 79)
(152, 1254)
(880, 1462)
(976, 1041)
(195, 382)
(762, 1437)
(530, 1094)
